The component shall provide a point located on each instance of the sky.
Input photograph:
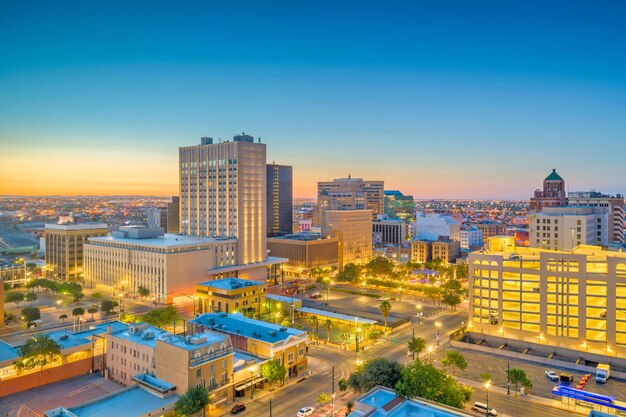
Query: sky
(445, 99)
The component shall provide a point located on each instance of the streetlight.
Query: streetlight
(437, 333)
(400, 293)
(252, 371)
(356, 333)
(487, 385)
(419, 313)
(430, 354)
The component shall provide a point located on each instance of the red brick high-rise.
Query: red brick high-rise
(553, 194)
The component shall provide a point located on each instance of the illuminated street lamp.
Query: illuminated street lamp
(430, 354)
(487, 385)
(252, 371)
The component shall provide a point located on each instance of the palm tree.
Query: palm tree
(328, 325)
(385, 308)
(314, 323)
(417, 345)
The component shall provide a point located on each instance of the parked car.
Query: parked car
(315, 295)
(482, 408)
(238, 408)
(552, 376)
(566, 378)
(306, 411)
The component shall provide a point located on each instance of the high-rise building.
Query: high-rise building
(64, 248)
(173, 216)
(156, 218)
(614, 205)
(399, 205)
(353, 228)
(223, 194)
(553, 194)
(279, 199)
(350, 194)
(564, 228)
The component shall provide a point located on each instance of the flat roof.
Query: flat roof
(254, 329)
(139, 337)
(79, 226)
(337, 316)
(283, 298)
(133, 402)
(165, 241)
(230, 283)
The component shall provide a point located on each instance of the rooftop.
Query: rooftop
(554, 176)
(144, 334)
(78, 226)
(336, 316)
(164, 242)
(251, 328)
(305, 236)
(132, 402)
(230, 283)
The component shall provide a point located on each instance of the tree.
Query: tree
(162, 317)
(107, 306)
(378, 371)
(385, 308)
(78, 311)
(273, 371)
(432, 292)
(485, 377)
(379, 267)
(454, 359)
(451, 299)
(349, 406)
(62, 317)
(30, 314)
(39, 351)
(129, 318)
(30, 296)
(314, 322)
(350, 273)
(92, 310)
(14, 297)
(96, 295)
(421, 379)
(143, 291)
(342, 384)
(416, 345)
(192, 402)
(518, 377)
(328, 325)
(286, 322)
(323, 398)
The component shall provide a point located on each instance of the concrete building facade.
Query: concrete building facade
(305, 251)
(353, 229)
(65, 248)
(426, 250)
(350, 194)
(433, 226)
(613, 204)
(471, 238)
(167, 265)
(392, 231)
(173, 216)
(564, 228)
(223, 194)
(570, 299)
(491, 229)
(279, 199)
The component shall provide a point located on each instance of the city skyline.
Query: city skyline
(422, 99)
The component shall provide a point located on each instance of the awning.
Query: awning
(249, 384)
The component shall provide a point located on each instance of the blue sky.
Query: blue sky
(450, 99)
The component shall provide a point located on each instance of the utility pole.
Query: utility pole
(270, 407)
(332, 390)
(413, 350)
(508, 381)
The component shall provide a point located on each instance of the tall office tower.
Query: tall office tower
(353, 228)
(614, 205)
(64, 248)
(553, 194)
(350, 194)
(223, 194)
(279, 199)
(173, 216)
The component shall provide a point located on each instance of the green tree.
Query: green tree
(432, 292)
(454, 360)
(143, 291)
(78, 311)
(62, 317)
(485, 377)
(323, 398)
(38, 351)
(273, 371)
(416, 346)
(30, 296)
(350, 273)
(451, 299)
(420, 379)
(349, 406)
(14, 297)
(30, 314)
(342, 384)
(129, 318)
(379, 267)
(385, 309)
(314, 322)
(286, 322)
(378, 371)
(518, 378)
(96, 295)
(107, 306)
(328, 325)
(196, 399)
(92, 310)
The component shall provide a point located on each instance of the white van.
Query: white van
(482, 408)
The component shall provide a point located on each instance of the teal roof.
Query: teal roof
(230, 283)
(554, 176)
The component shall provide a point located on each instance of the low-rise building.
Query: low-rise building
(305, 251)
(425, 250)
(392, 231)
(490, 229)
(471, 238)
(167, 265)
(260, 338)
(13, 274)
(231, 295)
(564, 228)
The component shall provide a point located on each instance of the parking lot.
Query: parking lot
(496, 366)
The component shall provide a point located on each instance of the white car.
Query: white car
(306, 411)
(552, 376)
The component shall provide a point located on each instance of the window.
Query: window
(290, 357)
(198, 372)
